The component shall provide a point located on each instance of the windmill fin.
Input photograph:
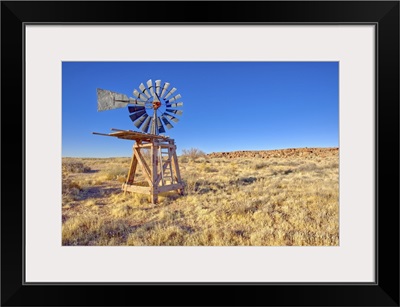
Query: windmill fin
(135, 116)
(141, 120)
(158, 87)
(164, 89)
(174, 105)
(133, 109)
(178, 112)
(173, 90)
(146, 124)
(175, 98)
(166, 122)
(160, 126)
(144, 90)
(171, 117)
(150, 86)
(140, 96)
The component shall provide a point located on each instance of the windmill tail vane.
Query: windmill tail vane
(152, 107)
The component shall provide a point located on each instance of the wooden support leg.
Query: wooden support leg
(153, 197)
(154, 168)
(132, 171)
(175, 167)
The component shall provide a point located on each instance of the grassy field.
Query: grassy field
(279, 201)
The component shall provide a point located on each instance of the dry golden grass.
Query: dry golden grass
(242, 201)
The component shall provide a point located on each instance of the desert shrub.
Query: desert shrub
(193, 184)
(209, 169)
(260, 165)
(117, 173)
(183, 159)
(204, 167)
(122, 210)
(71, 190)
(334, 164)
(193, 153)
(309, 167)
(75, 167)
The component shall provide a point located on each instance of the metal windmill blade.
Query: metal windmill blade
(150, 86)
(166, 122)
(160, 127)
(146, 124)
(174, 105)
(174, 98)
(164, 89)
(177, 112)
(158, 87)
(171, 117)
(141, 120)
(133, 109)
(144, 90)
(173, 90)
(140, 96)
(136, 115)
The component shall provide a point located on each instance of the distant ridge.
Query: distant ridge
(278, 153)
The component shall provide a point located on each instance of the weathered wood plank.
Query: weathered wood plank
(171, 187)
(132, 169)
(145, 168)
(175, 165)
(154, 162)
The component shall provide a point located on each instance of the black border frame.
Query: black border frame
(383, 14)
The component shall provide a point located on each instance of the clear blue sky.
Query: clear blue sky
(227, 105)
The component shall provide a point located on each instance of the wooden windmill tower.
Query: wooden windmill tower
(153, 153)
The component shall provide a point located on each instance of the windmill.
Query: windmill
(153, 107)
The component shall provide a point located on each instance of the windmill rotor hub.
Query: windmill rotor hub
(156, 105)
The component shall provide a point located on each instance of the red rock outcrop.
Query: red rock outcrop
(278, 153)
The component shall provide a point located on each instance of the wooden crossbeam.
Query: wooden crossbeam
(142, 162)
